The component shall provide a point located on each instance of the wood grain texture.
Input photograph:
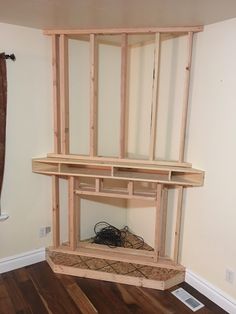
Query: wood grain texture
(36, 289)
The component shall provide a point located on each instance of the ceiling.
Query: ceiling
(55, 14)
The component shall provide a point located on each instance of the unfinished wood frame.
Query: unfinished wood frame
(162, 174)
(93, 94)
(61, 87)
(154, 106)
(64, 93)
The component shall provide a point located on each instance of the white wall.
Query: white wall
(26, 197)
(209, 233)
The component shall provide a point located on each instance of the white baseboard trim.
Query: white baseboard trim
(22, 260)
(211, 292)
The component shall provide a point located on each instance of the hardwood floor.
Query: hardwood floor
(36, 289)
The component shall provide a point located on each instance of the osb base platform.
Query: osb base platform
(115, 271)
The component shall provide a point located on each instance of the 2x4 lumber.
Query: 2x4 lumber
(64, 93)
(115, 195)
(56, 94)
(164, 220)
(121, 160)
(154, 106)
(131, 188)
(93, 94)
(123, 95)
(178, 224)
(55, 212)
(72, 214)
(158, 223)
(144, 30)
(78, 211)
(97, 185)
(185, 98)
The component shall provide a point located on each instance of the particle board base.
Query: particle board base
(115, 271)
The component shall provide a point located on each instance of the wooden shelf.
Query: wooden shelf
(168, 175)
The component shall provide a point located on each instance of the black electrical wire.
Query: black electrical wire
(109, 235)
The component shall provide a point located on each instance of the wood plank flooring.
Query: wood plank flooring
(36, 289)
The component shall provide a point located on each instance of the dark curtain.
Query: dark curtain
(3, 113)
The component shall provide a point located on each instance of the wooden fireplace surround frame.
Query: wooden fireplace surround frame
(164, 174)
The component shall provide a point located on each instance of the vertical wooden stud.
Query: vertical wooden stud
(131, 188)
(72, 214)
(178, 223)
(93, 94)
(55, 212)
(97, 185)
(78, 212)
(154, 106)
(56, 94)
(57, 141)
(185, 98)
(123, 96)
(164, 220)
(158, 223)
(64, 93)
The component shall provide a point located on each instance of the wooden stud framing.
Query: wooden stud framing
(178, 223)
(55, 212)
(64, 94)
(123, 96)
(93, 94)
(164, 220)
(121, 168)
(56, 94)
(185, 99)
(144, 30)
(158, 223)
(78, 212)
(154, 98)
(72, 214)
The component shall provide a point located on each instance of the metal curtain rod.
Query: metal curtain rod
(11, 56)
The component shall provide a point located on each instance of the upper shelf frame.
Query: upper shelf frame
(60, 61)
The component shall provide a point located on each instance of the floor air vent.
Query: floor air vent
(187, 299)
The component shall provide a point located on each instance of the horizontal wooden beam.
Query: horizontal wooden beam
(109, 31)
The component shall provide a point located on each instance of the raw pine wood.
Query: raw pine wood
(72, 214)
(131, 188)
(56, 94)
(78, 211)
(55, 212)
(178, 224)
(158, 223)
(93, 94)
(122, 160)
(186, 97)
(154, 106)
(144, 30)
(122, 171)
(64, 94)
(164, 221)
(165, 174)
(115, 195)
(97, 185)
(123, 96)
